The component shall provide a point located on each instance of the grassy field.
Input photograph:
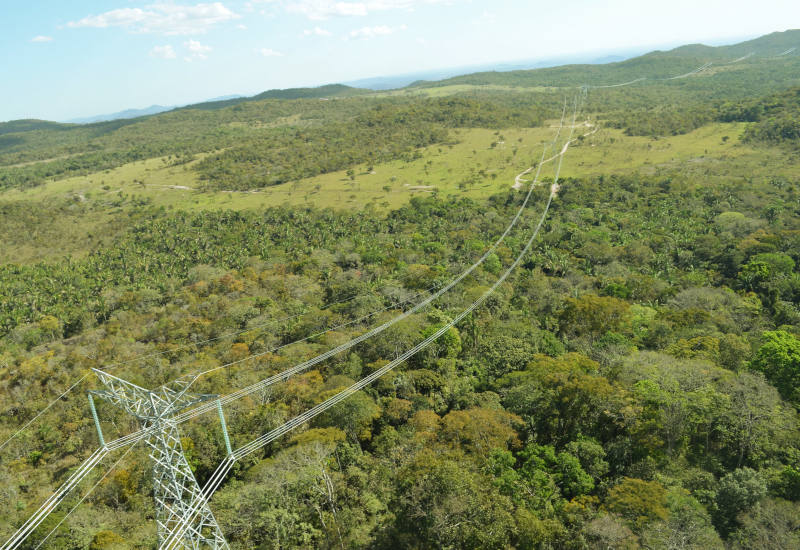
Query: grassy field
(482, 163)
(85, 212)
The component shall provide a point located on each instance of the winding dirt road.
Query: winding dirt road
(518, 181)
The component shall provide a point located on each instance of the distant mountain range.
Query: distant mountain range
(136, 113)
(127, 113)
(376, 83)
(401, 81)
(656, 65)
(555, 71)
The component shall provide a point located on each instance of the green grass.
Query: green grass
(88, 210)
(36, 230)
(472, 167)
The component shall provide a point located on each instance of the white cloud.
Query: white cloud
(241, 27)
(167, 19)
(268, 52)
(372, 32)
(316, 31)
(324, 9)
(41, 38)
(196, 50)
(485, 18)
(164, 52)
(250, 6)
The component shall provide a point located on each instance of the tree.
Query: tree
(664, 415)
(607, 531)
(779, 359)
(788, 484)
(492, 264)
(448, 345)
(591, 455)
(734, 351)
(594, 315)
(354, 415)
(755, 423)
(107, 540)
(562, 398)
(481, 430)
(687, 528)
(510, 350)
(441, 503)
(638, 501)
(738, 491)
(294, 500)
(564, 469)
(771, 524)
(534, 532)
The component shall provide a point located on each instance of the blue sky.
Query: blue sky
(61, 60)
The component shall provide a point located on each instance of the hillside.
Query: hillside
(269, 115)
(328, 91)
(321, 92)
(654, 65)
(29, 125)
(613, 274)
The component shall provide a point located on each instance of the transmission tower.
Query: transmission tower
(175, 488)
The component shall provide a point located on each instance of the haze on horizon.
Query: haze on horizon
(83, 58)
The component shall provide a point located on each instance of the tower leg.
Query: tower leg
(175, 489)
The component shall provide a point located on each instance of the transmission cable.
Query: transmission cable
(225, 466)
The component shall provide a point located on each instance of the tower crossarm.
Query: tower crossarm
(143, 403)
(178, 497)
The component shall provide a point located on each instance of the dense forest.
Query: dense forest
(634, 384)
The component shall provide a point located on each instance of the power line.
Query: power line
(47, 408)
(136, 436)
(89, 492)
(225, 466)
(264, 439)
(114, 365)
(55, 499)
(173, 350)
(690, 73)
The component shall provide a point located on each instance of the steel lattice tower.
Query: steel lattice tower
(175, 488)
